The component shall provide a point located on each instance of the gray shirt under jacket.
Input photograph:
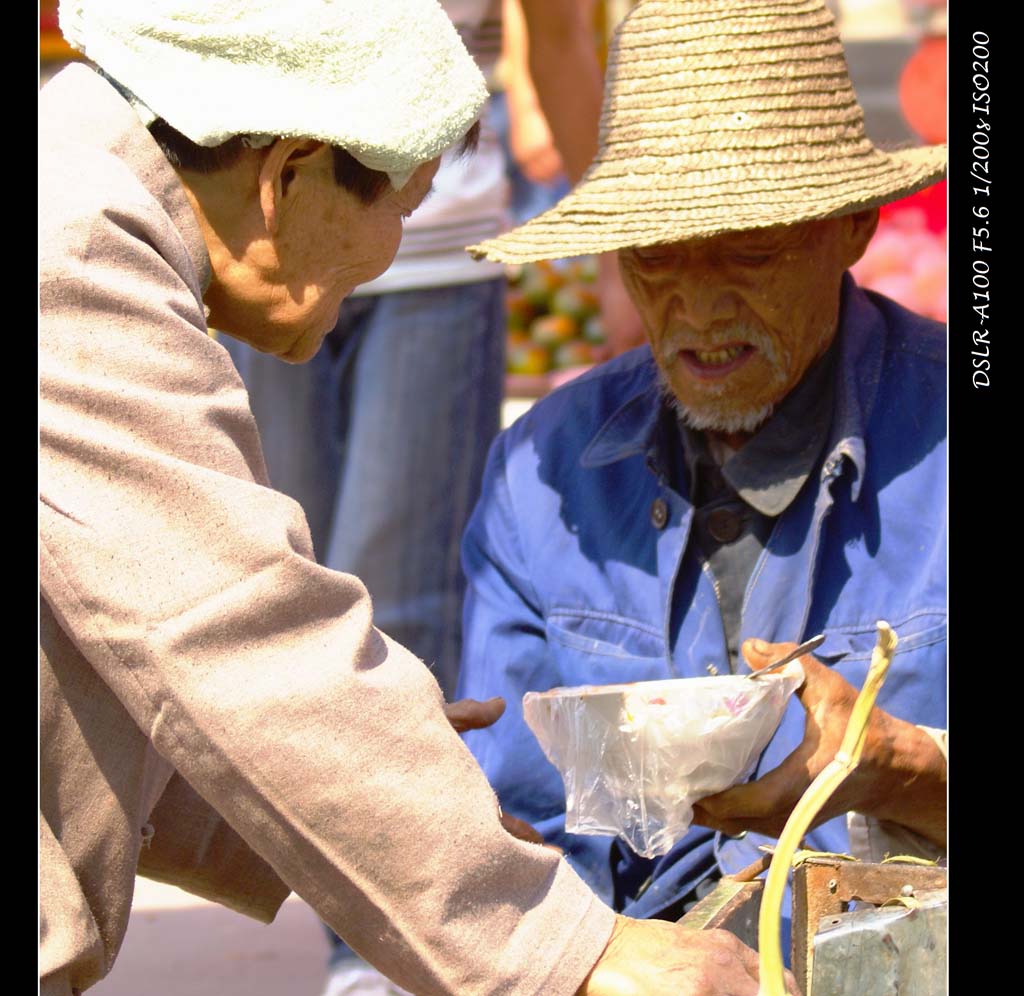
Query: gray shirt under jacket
(736, 504)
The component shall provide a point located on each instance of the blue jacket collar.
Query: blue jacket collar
(860, 364)
(633, 428)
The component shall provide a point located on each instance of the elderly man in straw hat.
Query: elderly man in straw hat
(772, 467)
(217, 711)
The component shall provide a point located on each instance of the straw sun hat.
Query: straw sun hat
(721, 116)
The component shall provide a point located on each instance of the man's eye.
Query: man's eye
(751, 258)
(652, 255)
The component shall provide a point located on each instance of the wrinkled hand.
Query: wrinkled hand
(657, 958)
(470, 714)
(522, 830)
(896, 756)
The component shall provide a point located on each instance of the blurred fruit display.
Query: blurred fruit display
(922, 90)
(554, 323)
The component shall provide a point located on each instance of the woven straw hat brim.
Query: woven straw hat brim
(611, 209)
(721, 116)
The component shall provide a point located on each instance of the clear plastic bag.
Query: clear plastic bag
(635, 758)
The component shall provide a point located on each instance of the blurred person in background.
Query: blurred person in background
(538, 175)
(535, 171)
(218, 711)
(771, 466)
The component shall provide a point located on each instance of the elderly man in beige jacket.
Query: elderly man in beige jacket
(217, 710)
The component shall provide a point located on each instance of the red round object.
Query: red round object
(931, 200)
(923, 90)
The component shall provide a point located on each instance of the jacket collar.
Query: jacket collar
(106, 119)
(633, 428)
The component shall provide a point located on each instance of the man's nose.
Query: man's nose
(701, 299)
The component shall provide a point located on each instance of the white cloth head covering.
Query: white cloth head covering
(387, 80)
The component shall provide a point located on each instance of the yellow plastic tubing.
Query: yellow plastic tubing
(817, 794)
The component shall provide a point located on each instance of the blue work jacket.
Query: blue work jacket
(575, 577)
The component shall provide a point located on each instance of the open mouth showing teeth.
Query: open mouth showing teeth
(717, 357)
(709, 364)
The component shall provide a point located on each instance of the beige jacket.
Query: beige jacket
(217, 710)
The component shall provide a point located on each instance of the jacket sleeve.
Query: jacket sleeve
(190, 587)
(192, 847)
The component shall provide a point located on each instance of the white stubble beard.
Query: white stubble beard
(720, 415)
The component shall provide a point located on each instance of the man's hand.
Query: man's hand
(533, 147)
(901, 776)
(656, 958)
(469, 714)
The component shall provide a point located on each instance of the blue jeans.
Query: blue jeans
(382, 439)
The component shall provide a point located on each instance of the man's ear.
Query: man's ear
(285, 158)
(859, 230)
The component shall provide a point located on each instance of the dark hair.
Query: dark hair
(367, 184)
